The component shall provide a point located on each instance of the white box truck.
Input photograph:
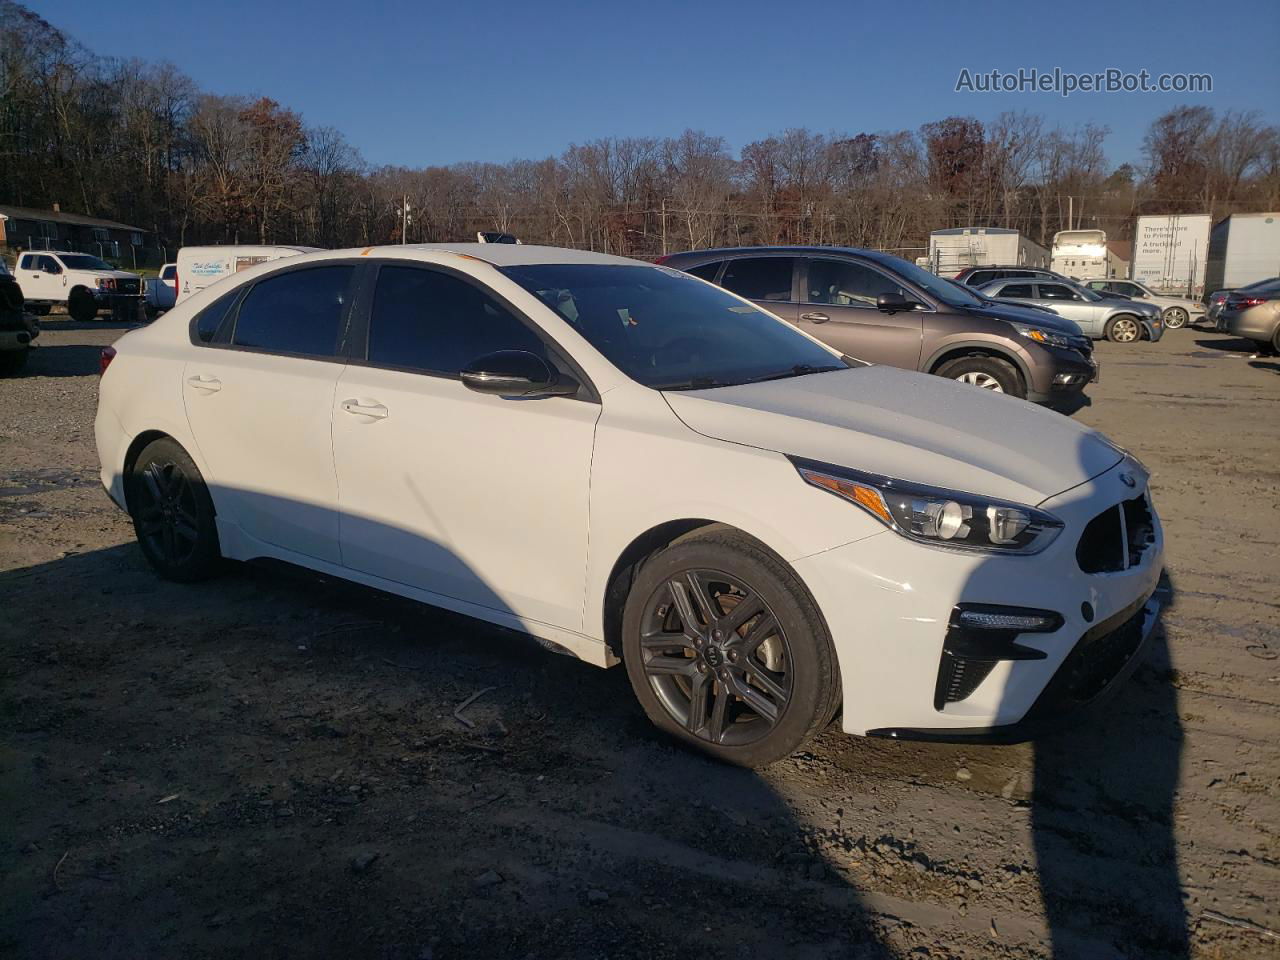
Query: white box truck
(1243, 248)
(950, 251)
(1169, 252)
(198, 267)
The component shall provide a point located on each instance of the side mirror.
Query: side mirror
(894, 302)
(516, 373)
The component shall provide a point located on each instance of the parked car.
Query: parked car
(1255, 315)
(981, 276)
(1176, 312)
(1122, 321)
(18, 329)
(882, 309)
(775, 537)
(82, 283)
(162, 291)
(1218, 299)
(198, 267)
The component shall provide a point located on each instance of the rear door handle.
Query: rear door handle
(373, 410)
(205, 383)
(815, 317)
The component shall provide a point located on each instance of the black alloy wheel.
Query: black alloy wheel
(172, 513)
(716, 657)
(726, 649)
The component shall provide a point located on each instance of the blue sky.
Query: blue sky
(419, 83)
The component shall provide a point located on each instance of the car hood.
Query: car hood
(909, 426)
(1021, 314)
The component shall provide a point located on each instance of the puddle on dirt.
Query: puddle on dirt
(42, 481)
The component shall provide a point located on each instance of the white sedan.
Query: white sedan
(1176, 311)
(640, 467)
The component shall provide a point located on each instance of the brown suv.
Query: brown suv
(882, 309)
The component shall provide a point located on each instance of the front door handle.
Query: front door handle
(371, 409)
(815, 317)
(205, 383)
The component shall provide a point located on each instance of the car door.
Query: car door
(259, 398)
(42, 279)
(839, 307)
(770, 281)
(480, 498)
(1068, 303)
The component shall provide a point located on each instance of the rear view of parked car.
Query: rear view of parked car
(882, 309)
(1218, 300)
(1255, 315)
(640, 467)
(1122, 321)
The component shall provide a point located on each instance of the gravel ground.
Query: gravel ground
(270, 763)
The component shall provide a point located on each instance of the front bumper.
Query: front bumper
(1063, 373)
(888, 601)
(1154, 327)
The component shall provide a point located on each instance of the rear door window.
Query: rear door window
(1018, 291)
(760, 278)
(211, 317)
(296, 312)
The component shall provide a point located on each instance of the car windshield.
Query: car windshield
(952, 294)
(82, 261)
(670, 331)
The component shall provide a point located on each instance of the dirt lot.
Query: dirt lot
(270, 763)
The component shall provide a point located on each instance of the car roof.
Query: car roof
(498, 254)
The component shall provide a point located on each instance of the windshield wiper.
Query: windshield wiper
(695, 383)
(799, 370)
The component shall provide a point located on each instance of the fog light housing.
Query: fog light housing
(980, 635)
(1067, 379)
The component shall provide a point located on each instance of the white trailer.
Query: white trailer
(1084, 255)
(1169, 252)
(1243, 248)
(950, 251)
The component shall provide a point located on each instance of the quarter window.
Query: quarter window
(211, 317)
(760, 278)
(842, 283)
(706, 271)
(295, 312)
(437, 323)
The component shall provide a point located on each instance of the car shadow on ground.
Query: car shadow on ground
(62, 360)
(1230, 345)
(278, 762)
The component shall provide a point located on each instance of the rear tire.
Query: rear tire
(747, 691)
(172, 513)
(986, 373)
(1124, 329)
(81, 306)
(12, 361)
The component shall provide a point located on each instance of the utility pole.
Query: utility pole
(404, 219)
(1070, 210)
(664, 226)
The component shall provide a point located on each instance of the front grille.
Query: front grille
(129, 287)
(1116, 539)
(1097, 659)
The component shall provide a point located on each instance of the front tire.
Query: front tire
(726, 650)
(81, 306)
(1175, 318)
(172, 513)
(985, 373)
(1124, 329)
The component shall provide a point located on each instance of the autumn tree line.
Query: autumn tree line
(138, 142)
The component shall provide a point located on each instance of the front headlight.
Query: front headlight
(943, 518)
(1039, 335)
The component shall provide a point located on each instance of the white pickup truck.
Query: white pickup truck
(79, 281)
(161, 292)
